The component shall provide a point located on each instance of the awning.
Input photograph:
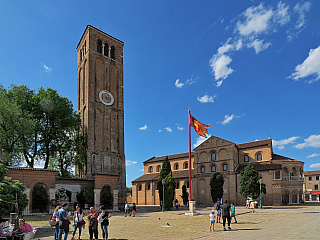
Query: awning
(315, 193)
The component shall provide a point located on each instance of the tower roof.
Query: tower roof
(89, 26)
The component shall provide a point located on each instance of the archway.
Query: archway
(40, 198)
(106, 197)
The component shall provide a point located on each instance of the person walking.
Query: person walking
(78, 222)
(127, 209)
(247, 203)
(218, 204)
(134, 208)
(233, 213)
(176, 203)
(63, 222)
(93, 223)
(211, 217)
(56, 218)
(104, 220)
(225, 208)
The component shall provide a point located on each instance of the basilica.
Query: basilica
(283, 176)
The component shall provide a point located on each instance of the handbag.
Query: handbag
(81, 223)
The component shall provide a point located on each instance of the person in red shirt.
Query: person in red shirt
(25, 226)
(93, 223)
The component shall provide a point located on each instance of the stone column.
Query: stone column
(52, 192)
(27, 209)
(115, 200)
(192, 209)
(103, 49)
(97, 198)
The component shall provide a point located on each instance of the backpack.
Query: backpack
(215, 207)
(52, 222)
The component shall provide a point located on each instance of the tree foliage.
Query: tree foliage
(106, 197)
(10, 191)
(165, 170)
(249, 183)
(216, 186)
(86, 196)
(185, 195)
(169, 189)
(40, 128)
(40, 198)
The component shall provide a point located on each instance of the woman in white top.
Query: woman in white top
(78, 221)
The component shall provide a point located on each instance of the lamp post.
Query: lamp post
(163, 182)
(260, 194)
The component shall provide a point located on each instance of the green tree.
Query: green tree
(86, 196)
(16, 124)
(106, 197)
(40, 198)
(185, 195)
(249, 183)
(40, 127)
(216, 186)
(169, 189)
(165, 170)
(10, 191)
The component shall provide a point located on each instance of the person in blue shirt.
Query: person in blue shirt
(63, 222)
(218, 204)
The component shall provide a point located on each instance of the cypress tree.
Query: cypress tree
(249, 183)
(216, 186)
(165, 170)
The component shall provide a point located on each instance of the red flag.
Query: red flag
(199, 127)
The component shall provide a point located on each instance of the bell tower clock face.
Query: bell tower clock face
(106, 97)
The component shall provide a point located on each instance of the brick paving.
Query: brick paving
(289, 222)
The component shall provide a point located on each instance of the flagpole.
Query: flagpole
(190, 185)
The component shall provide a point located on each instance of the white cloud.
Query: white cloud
(168, 129)
(312, 141)
(313, 155)
(301, 10)
(189, 81)
(256, 20)
(160, 130)
(179, 127)
(143, 128)
(47, 69)
(258, 45)
(141, 170)
(206, 98)
(281, 143)
(229, 118)
(178, 84)
(219, 65)
(250, 29)
(316, 165)
(129, 162)
(200, 140)
(310, 66)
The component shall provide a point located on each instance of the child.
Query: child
(211, 216)
(233, 213)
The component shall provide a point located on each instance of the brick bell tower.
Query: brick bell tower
(100, 104)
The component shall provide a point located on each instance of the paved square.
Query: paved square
(289, 222)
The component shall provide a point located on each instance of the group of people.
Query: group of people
(128, 209)
(23, 228)
(62, 221)
(223, 209)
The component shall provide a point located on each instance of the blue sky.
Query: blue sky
(251, 69)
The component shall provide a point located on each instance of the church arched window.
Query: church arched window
(112, 52)
(99, 46)
(106, 50)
